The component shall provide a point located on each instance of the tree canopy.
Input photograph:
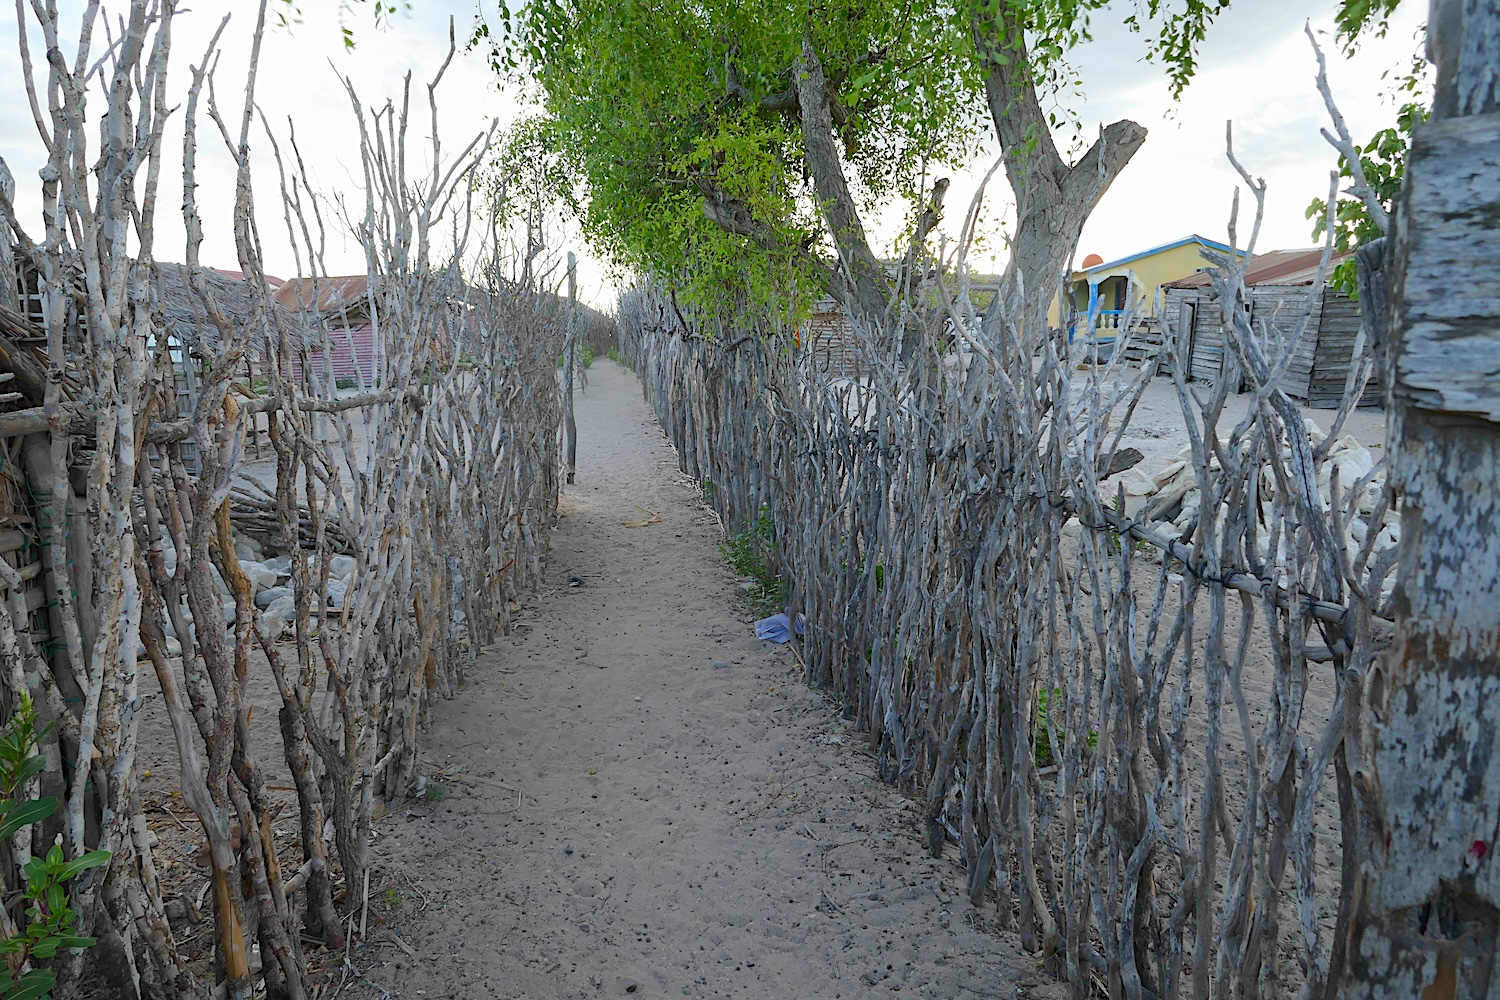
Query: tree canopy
(684, 124)
(738, 146)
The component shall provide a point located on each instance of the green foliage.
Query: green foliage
(1355, 18)
(750, 553)
(289, 12)
(656, 106)
(1383, 160)
(675, 133)
(660, 113)
(586, 356)
(534, 172)
(614, 355)
(1045, 755)
(48, 924)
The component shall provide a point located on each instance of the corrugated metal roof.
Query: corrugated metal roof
(1277, 267)
(333, 293)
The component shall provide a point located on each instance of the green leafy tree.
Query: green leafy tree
(736, 146)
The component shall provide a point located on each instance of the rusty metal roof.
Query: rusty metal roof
(1276, 267)
(333, 294)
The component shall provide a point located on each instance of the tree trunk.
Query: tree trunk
(1427, 904)
(1053, 199)
(857, 281)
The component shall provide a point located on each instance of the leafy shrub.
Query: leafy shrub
(749, 553)
(48, 923)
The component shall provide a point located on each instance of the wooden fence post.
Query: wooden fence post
(1427, 910)
(570, 354)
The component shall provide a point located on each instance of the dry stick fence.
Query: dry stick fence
(438, 485)
(1143, 746)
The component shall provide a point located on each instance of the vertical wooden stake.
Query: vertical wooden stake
(570, 429)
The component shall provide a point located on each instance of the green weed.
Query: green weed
(750, 553)
(1045, 757)
(48, 923)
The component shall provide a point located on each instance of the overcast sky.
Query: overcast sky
(1257, 69)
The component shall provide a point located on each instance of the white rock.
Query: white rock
(281, 610)
(1389, 535)
(229, 612)
(248, 550)
(1168, 474)
(337, 591)
(261, 578)
(1138, 489)
(341, 567)
(1353, 465)
(271, 595)
(280, 565)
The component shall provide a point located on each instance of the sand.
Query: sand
(635, 797)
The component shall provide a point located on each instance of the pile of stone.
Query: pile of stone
(1172, 501)
(270, 582)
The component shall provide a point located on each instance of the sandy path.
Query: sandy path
(650, 803)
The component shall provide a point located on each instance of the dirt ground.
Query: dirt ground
(637, 797)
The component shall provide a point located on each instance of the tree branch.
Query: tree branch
(1031, 159)
(1345, 145)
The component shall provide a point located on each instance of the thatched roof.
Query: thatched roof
(185, 315)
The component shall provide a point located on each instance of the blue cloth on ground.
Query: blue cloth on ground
(777, 628)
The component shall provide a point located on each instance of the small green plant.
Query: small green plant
(614, 355)
(586, 356)
(1045, 755)
(48, 924)
(392, 899)
(708, 491)
(435, 792)
(748, 553)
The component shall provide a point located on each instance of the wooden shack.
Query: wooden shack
(344, 306)
(828, 343)
(1278, 285)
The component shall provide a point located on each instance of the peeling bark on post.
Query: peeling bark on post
(1428, 901)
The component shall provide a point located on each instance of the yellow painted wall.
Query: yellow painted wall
(1147, 273)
